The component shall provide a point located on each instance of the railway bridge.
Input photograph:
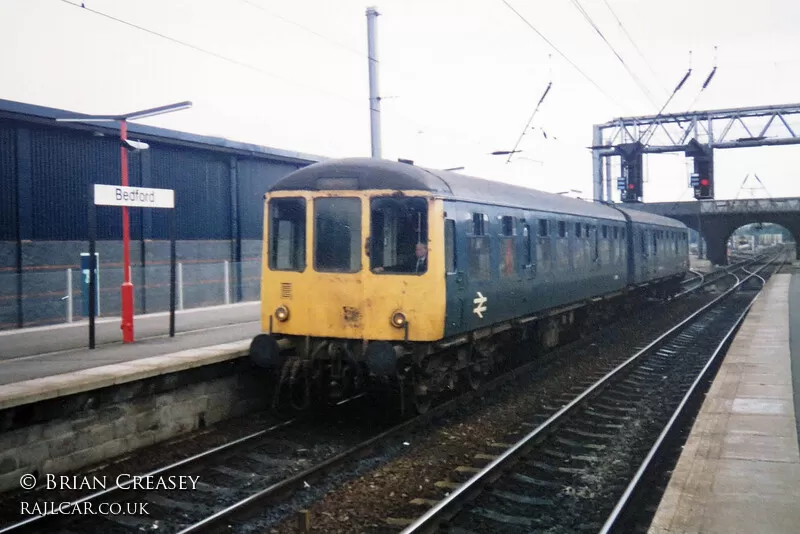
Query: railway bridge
(716, 220)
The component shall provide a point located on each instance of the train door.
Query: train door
(529, 253)
(593, 245)
(455, 277)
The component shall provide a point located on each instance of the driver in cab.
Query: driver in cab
(417, 265)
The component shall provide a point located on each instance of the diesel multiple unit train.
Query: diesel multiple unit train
(378, 273)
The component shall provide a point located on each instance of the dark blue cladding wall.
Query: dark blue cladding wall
(255, 177)
(8, 185)
(202, 185)
(63, 164)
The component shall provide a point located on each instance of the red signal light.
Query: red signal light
(631, 186)
(704, 182)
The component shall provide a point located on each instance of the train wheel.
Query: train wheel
(421, 396)
(422, 402)
(473, 377)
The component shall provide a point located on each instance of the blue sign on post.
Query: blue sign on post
(85, 283)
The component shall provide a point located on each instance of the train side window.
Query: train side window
(508, 225)
(507, 254)
(577, 229)
(478, 258)
(478, 224)
(450, 246)
(655, 243)
(287, 234)
(543, 229)
(562, 229)
(622, 234)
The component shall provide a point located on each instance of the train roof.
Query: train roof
(645, 217)
(371, 173)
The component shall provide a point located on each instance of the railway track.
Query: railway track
(580, 469)
(229, 490)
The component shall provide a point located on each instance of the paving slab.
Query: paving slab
(740, 467)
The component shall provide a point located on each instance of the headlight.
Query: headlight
(282, 313)
(398, 319)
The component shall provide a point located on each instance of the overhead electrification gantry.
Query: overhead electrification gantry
(696, 133)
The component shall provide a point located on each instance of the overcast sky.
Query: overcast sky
(459, 78)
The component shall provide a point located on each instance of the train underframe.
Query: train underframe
(312, 371)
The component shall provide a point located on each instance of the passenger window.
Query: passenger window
(508, 226)
(337, 235)
(450, 245)
(399, 235)
(562, 229)
(478, 255)
(605, 231)
(543, 229)
(577, 229)
(287, 234)
(507, 254)
(478, 224)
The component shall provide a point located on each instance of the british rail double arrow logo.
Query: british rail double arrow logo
(480, 305)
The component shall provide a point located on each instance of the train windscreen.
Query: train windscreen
(287, 234)
(337, 235)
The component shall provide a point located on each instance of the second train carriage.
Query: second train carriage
(343, 287)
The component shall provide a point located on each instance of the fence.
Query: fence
(55, 296)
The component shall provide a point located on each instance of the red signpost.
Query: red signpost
(127, 285)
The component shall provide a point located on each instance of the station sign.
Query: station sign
(133, 197)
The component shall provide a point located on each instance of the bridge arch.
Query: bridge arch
(716, 220)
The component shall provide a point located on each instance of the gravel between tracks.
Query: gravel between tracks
(382, 487)
(363, 504)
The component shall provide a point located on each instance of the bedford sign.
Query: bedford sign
(133, 197)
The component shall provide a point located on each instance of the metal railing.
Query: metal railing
(44, 297)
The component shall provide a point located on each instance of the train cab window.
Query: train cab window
(450, 246)
(287, 234)
(337, 235)
(399, 235)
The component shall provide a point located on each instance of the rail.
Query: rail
(448, 507)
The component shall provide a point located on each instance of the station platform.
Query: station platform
(740, 467)
(54, 361)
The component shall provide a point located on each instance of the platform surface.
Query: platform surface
(203, 337)
(740, 468)
(75, 336)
